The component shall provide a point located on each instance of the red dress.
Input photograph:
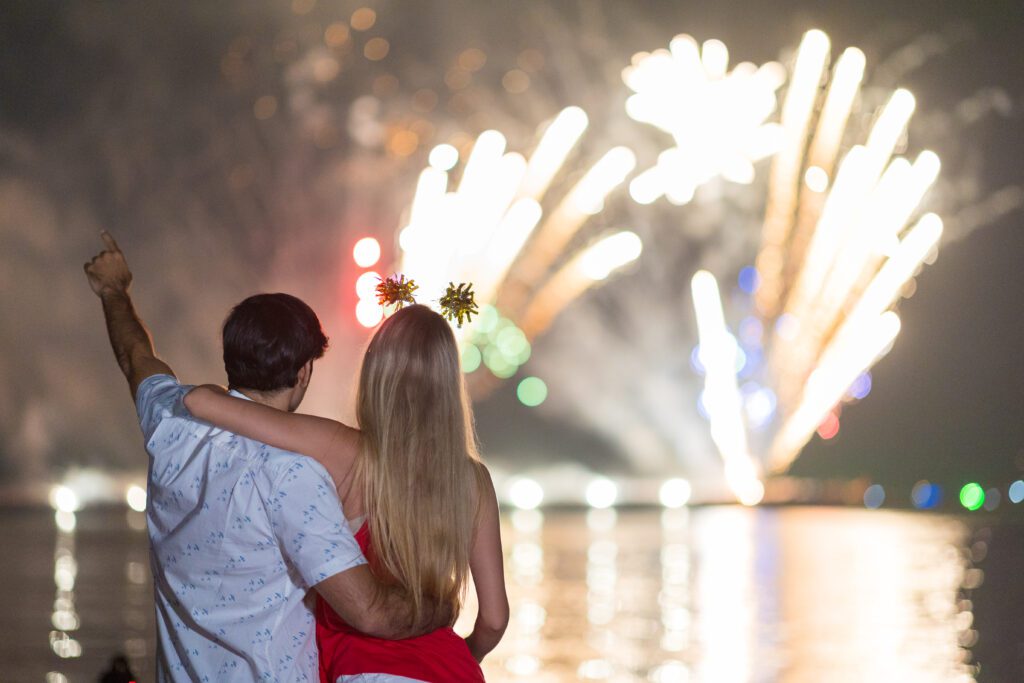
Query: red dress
(440, 656)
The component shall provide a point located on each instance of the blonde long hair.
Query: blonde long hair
(420, 469)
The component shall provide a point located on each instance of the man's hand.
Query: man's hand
(378, 610)
(110, 278)
(108, 271)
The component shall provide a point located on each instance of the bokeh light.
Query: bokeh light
(861, 386)
(366, 252)
(136, 498)
(874, 496)
(337, 34)
(526, 494)
(366, 285)
(503, 345)
(532, 391)
(363, 19)
(443, 157)
(816, 178)
(972, 496)
(376, 49)
(926, 495)
(830, 427)
(471, 358)
(748, 490)
(675, 493)
(64, 499)
(1016, 493)
(65, 520)
(748, 279)
(369, 312)
(601, 493)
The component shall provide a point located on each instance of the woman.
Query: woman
(419, 500)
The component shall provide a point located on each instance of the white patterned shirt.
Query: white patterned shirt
(239, 532)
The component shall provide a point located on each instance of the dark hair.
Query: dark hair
(267, 338)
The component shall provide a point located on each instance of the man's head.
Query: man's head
(270, 343)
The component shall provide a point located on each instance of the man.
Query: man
(240, 531)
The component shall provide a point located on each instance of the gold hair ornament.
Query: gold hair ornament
(395, 289)
(458, 302)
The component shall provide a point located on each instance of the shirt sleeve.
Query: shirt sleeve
(309, 524)
(157, 398)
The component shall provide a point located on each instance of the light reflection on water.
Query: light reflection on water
(718, 594)
(727, 594)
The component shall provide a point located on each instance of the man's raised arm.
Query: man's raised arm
(110, 279)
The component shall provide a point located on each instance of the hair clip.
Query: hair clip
(395, 289)
(458, 302)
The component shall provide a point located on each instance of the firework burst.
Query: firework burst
(834, 254)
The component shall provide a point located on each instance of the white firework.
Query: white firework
(717, 118)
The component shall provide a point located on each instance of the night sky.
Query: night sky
(126, 116)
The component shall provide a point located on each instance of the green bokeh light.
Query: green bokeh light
(497, 363)
(532, 391)
(511, 341)
(505, 371)
(972, 496)
(524, 354)
(471, 358)
(502, 346)
(487, 319)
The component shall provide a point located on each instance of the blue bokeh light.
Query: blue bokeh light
(861, 386)
(759, 403)
(1016, 492)
(874, 496)
(926, 495)
(755, 359)
(695, 363)
(749, 279)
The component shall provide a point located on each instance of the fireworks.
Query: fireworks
(716, 117)
(830, 265)
(722, 398)
(492, 230)
(832, 261)
(591, 265)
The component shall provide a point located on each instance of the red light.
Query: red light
(829, 427)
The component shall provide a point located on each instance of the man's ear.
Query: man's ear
(305, 374)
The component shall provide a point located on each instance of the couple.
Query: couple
(242, 527)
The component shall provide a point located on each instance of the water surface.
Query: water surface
(715, 594)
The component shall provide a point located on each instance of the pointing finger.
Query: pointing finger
(108, 240)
